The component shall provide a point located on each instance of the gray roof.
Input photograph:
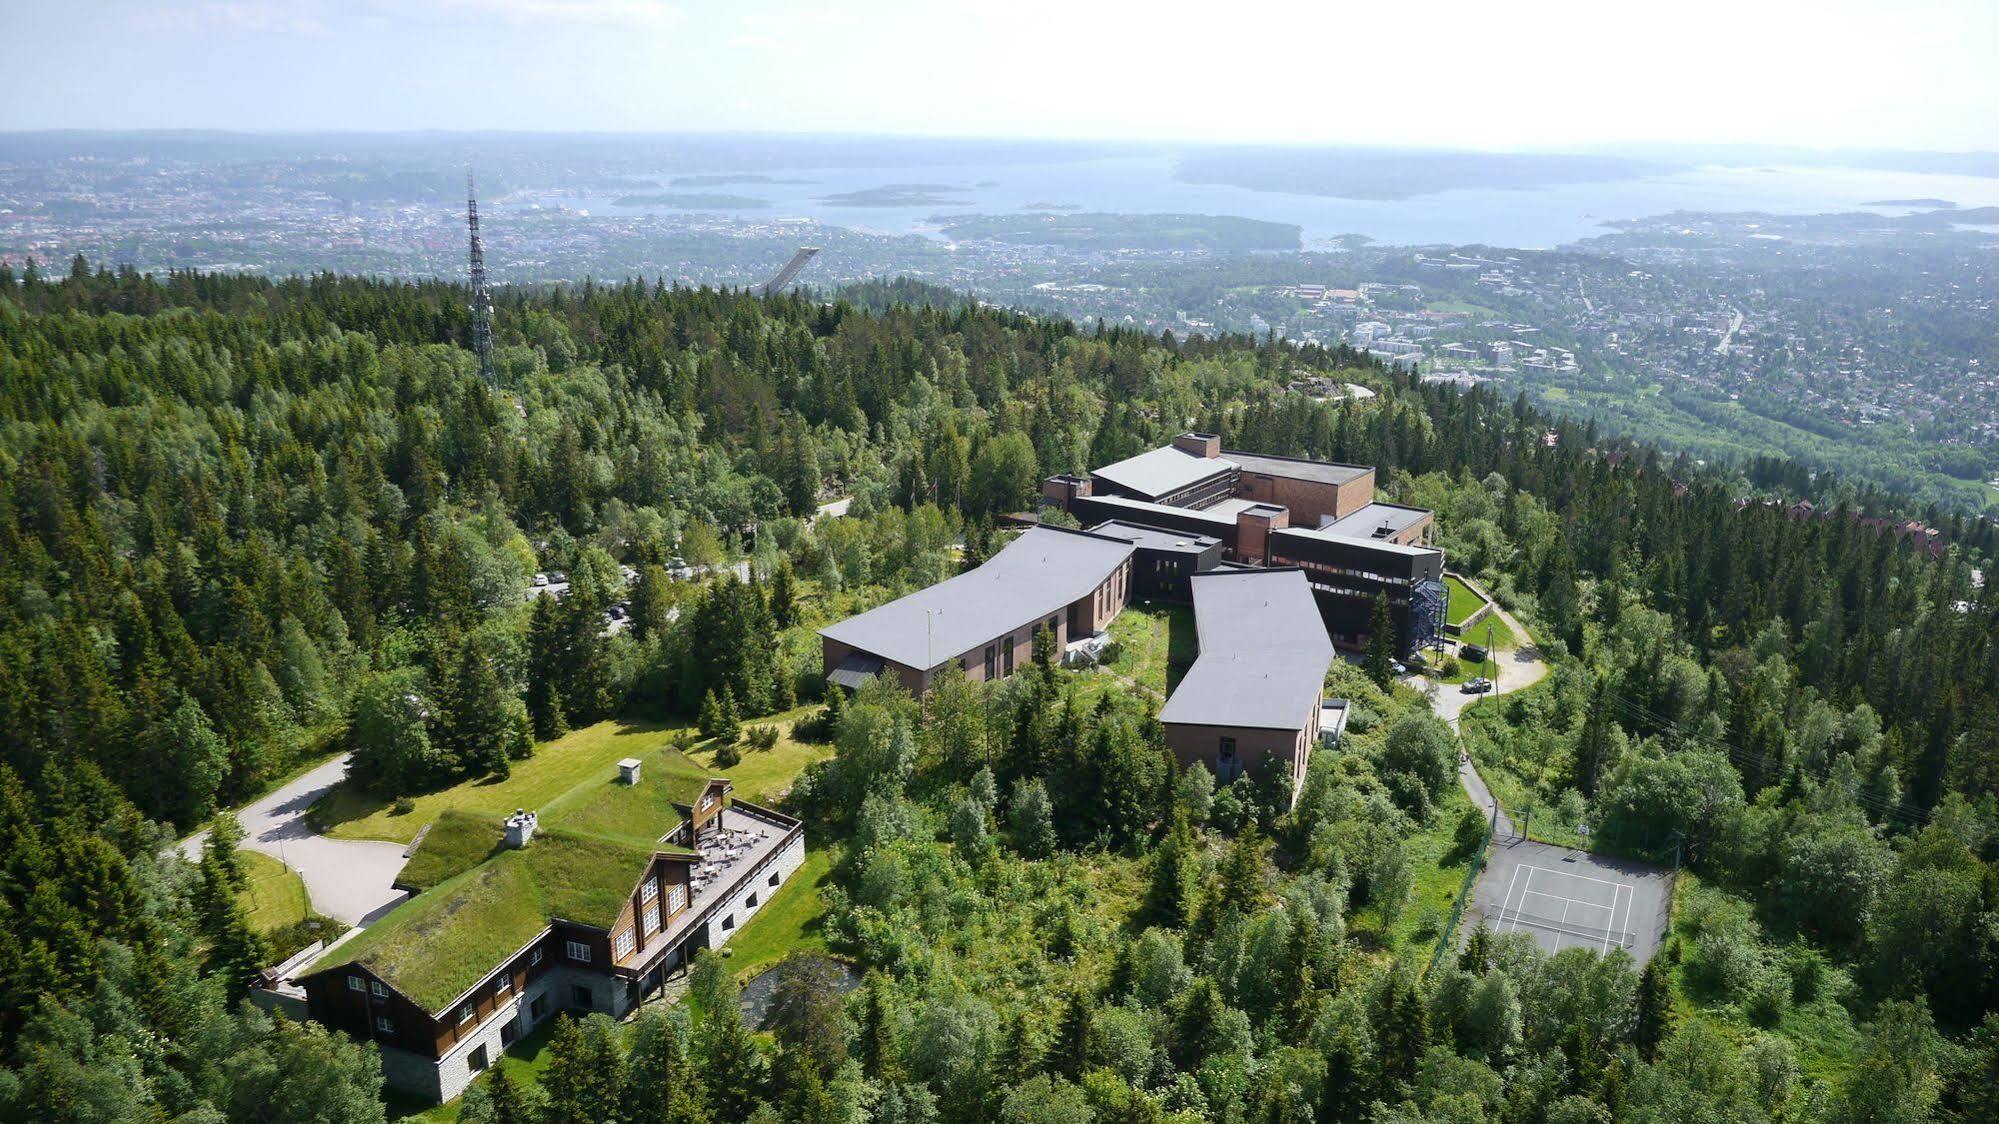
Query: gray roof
(856, 669)
(1155, 538)
(1036, 575)
(1221, 522)
(1264, 652)
(1325, 472)
(1162, 471)
(1400, 550)
(1375, 520)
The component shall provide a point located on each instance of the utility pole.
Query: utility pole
(482, 296)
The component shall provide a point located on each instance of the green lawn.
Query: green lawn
(793, 921)
(276, 896)
(1155, 644)
(763, 776)
(1464, 602)
(556, 767)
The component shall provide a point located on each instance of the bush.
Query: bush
(402, 807)
(728, 755)
(763, 737)
(1448, 666)
(1769, 997)
(1470, 833)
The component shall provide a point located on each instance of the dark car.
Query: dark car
(1477, 686)
(1473, 653)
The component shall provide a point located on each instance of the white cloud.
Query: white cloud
(629, 13)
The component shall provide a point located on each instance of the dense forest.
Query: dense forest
(250, 523)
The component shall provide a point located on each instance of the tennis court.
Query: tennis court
(1572, 899)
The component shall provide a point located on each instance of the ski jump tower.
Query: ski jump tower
(482, 296)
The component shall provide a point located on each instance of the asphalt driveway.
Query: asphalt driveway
(347, 879)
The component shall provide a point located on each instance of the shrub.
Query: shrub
(728, 755)
(763, 737)
(402, 807)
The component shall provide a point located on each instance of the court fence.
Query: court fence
(1447, 938)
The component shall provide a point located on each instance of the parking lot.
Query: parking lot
(1572, 899)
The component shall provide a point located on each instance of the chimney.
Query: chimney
(628, 770)
(1199, 444)
(520, 828)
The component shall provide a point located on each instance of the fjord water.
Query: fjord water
(1533, 218)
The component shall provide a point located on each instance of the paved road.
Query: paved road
(1514, 670)
(348, 879)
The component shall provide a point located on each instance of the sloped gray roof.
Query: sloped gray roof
(1031, 578)
(1264, 652)
(1162, 471)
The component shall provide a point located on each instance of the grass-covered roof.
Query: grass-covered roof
(481, 902)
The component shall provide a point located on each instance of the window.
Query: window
(380, 989)
(509, 1031)
(1228, 750)
(676, 899)
(578, 951)
(579, 996)
(385, 1024)
(538, 1010)
(989, 661)
(1006, 656)
(534, 958)
(707, 801)
(623, 943)
(356, 983)
(652, 918)
(504, 984)
(465, 1014)
(649, 889)
(774, 880)
(751, 901)
(728, 922)
(477, 1059)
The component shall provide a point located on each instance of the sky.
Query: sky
(1915, 74)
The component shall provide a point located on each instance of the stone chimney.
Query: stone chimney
(520, 828)
(1199, 444)
(628, 770)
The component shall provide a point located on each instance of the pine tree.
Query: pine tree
(783, 596)
(736, 1072)
(504, 1102)
(585, 1079)
(875, 1037)
(1379, 659)
(1067, 1055)
(1171, 899)
(1655, 1008)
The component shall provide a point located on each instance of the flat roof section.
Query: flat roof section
(1297, 468)
(1162, 471)
(1154, 538)
(1036, 575)
(1264, 652)
(1375, 521)
(1219, 517)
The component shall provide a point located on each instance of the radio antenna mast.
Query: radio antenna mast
(482, 295)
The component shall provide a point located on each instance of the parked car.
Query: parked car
(1478, 686)
(1474, 653)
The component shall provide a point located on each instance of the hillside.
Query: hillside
(247, 524)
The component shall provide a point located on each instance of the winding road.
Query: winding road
(1514, 670)
(349, 880)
